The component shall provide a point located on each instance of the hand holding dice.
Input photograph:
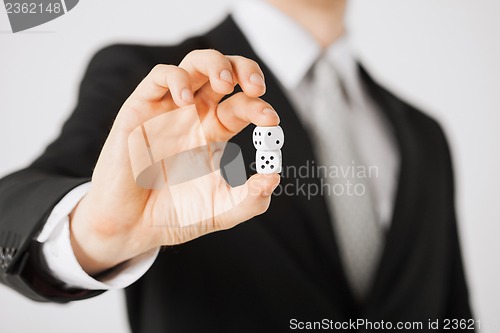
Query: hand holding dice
(268, 142)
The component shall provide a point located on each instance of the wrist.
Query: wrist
(96, 247)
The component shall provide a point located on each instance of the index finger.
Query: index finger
(249, 75)
(236, 113)
(162, 79)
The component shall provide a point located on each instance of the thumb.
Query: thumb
(251, 199)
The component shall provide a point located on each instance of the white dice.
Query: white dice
(268, 138)
(268, 142)
(268, 161)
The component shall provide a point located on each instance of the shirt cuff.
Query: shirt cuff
(61, 261)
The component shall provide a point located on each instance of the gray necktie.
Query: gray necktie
(358, 235)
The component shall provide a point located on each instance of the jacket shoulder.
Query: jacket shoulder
(124, 54)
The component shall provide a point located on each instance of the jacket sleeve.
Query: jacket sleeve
(458, 302)
(458, 305)
(27, 197)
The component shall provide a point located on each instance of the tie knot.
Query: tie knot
(325, 76)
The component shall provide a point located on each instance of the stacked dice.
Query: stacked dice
(268, 142)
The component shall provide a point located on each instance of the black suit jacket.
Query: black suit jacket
(267, 271)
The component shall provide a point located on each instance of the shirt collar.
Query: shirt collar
(290, 51)
(286, 48)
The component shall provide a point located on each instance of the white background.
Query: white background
(441, 55)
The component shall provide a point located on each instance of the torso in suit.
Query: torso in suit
(276, 267)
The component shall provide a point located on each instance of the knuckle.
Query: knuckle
(158, 68)
(262, 103)
(184, 74)
(192, 54)
(169, 73)
(213, 53)
(258, 103)
(246, 61)
(132, 104)
(161, 69)
(252, 63)
(218, 58)
(240, 97)
(262, 206)
(237, 58)
(206, 57)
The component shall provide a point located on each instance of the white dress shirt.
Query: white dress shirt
(289, 51)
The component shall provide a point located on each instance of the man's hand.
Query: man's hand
(117, 220)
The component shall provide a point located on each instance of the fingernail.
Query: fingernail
(257, 79)
(271, 112)
(187, 95)
(226, 76)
